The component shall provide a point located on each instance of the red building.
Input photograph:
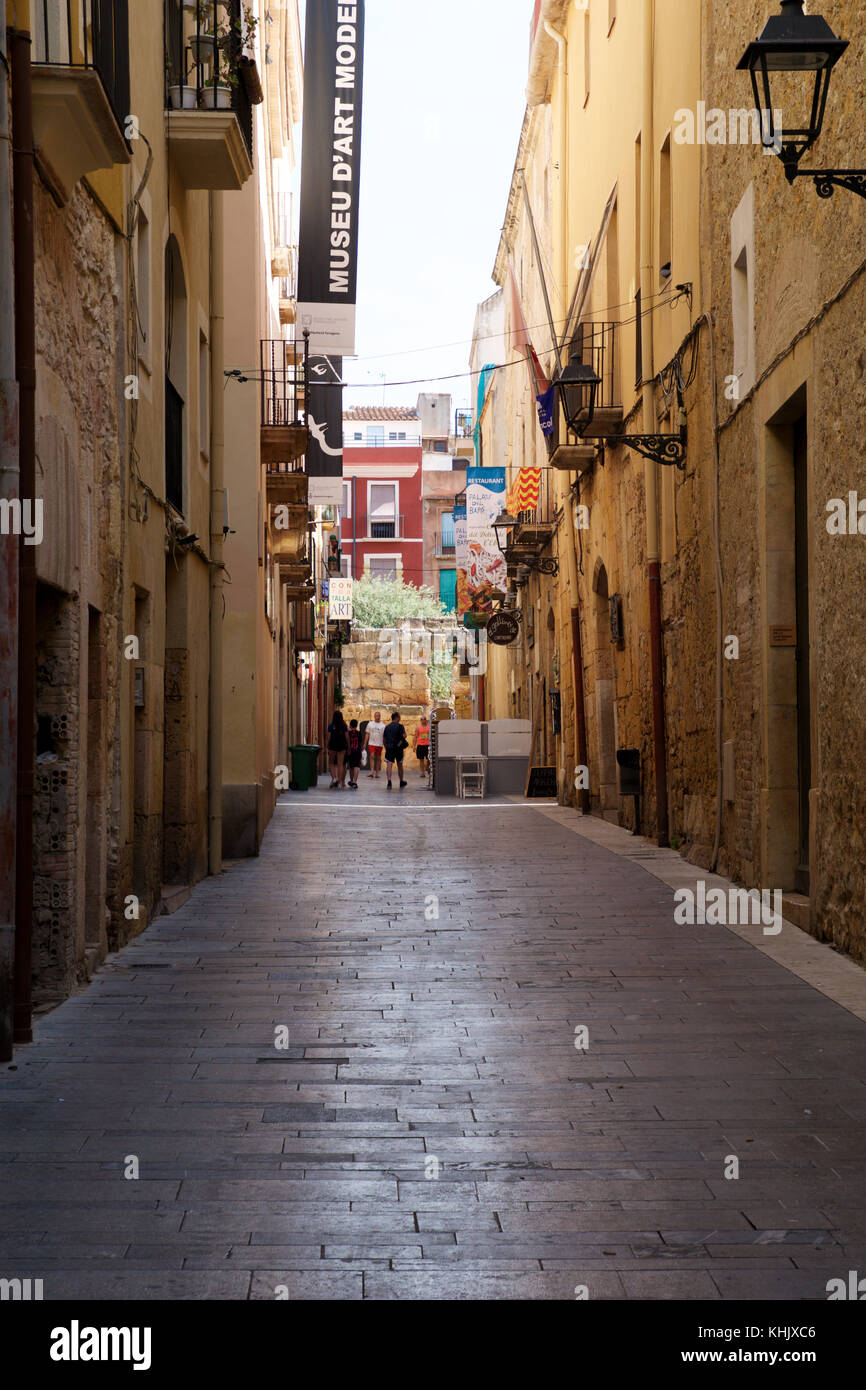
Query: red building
(381, 519)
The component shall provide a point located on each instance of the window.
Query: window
(346, 504)
(447, 530)
(383, 567)
(359, 434)
(382, 510)
(375, 435)
(203, 395)
(346, 566)
(440, 446)
(173, 446)
(743, 291)
(402, 434)
(665, 219)
(142, 287)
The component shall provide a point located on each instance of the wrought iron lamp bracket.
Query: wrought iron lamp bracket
(828, 180)
(661, 448)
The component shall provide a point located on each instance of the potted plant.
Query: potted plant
(217, 91)
(181, 95)
(202, 44)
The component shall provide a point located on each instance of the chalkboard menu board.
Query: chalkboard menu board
(542, 782)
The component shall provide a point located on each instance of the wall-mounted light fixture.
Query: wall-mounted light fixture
(804, 46)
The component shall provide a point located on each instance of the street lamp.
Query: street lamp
(577, 387)
(501, 527)
(540, 564)
(805, 47)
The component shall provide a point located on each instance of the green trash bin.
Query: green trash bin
(305, 766)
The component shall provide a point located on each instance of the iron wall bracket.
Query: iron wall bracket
(661, 448)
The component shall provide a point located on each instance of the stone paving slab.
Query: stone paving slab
(431, 1130)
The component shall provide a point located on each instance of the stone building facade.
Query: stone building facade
(147, 204)
(729, 302)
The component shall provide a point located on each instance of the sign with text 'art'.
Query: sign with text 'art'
(340, 608)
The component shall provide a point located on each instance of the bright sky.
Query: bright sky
(444, 97)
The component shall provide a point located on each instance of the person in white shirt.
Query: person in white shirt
(374, 742)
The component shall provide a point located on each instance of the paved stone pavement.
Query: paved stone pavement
(431, 1130)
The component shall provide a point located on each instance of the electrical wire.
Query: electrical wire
(255, 373)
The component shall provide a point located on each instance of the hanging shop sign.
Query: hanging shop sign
(486, 567)
(340, 608)
(461, 558)
(330, 174)
(503, 629)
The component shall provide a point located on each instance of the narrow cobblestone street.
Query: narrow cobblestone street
(431, 1130)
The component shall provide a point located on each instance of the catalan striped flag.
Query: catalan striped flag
(523, 495)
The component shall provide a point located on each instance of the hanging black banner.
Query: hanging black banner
(330, 174)
(325, 420)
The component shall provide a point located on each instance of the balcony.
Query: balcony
(296, 579)
(289, 540)
(594, 344)
(406, 441)
(386, 529)
(286, 487)
(304, 630)
(536, 525)
(284, 435)
(212, 85)
(80, 89)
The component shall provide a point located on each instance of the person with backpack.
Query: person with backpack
(338, 746)
(353, 755)
(395, 743)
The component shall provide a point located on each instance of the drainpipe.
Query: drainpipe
(25, 372)
(8, 573)
(217, 521)
(563, 489)
(650, 425)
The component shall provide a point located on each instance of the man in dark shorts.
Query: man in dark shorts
(395, 742)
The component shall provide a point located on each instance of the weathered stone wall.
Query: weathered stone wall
(79, 405)
(809, 271)
(382, 673)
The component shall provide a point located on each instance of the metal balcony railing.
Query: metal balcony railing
(543, 513)
(205, 61)
(464, 421)
(87, 34)
(283, 382)
(349, 441)
(595, 344)
(386, 529)
(282, 391)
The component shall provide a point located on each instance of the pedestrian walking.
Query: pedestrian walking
(395, 744)
(374, 742)
(353, 755)
(338, 746)
(421, 744)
